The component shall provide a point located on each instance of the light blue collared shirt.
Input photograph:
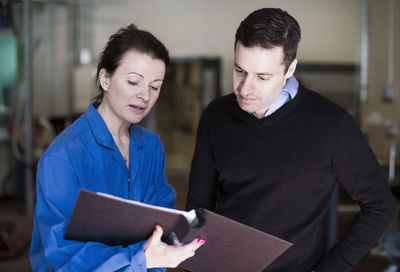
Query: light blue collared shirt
(289, 91)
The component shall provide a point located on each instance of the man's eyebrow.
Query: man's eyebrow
(237, 65)
(259, 74)
(265, 74)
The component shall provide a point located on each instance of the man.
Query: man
(270, 155)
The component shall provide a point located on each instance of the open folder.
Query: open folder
(231, 246)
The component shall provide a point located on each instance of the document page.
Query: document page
(190, 215)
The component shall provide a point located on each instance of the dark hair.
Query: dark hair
(268, 28)
(124, 40)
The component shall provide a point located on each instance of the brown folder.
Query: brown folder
(231, 246)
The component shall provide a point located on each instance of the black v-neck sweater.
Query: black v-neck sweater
(277, 174)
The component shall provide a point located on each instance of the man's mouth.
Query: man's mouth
(246, 100)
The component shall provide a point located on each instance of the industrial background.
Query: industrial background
(349, 52)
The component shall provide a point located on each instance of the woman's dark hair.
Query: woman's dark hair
(268, 28)
(124, 40)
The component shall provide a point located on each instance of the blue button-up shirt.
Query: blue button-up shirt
(86, 156)
(289, 91)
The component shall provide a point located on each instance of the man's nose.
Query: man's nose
(246, 86)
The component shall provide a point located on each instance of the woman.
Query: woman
(105, 151)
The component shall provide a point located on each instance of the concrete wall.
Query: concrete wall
(331, 32)
(378, 69)
(330, 29)
(51, 60)
(380, 116)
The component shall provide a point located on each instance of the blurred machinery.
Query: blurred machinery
(191, 84)
(55, 36)
(12, 85)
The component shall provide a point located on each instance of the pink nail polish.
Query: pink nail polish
(156, 228)
(198, 240)
(203, 242)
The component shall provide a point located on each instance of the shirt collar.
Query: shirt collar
(103, 135)
(289, 91)
(291, 86)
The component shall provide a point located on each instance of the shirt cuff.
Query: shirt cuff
(138, 260)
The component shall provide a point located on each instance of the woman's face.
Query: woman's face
(132, 90)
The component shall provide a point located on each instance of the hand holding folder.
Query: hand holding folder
(159, 254)
(231, 246)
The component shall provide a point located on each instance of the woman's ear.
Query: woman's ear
(291, 69)
(104, 79)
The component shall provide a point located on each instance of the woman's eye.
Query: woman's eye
(132, 83)
(154, 88)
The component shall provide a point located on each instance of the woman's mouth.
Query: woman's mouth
(137, 109)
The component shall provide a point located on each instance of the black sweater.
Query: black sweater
(277, 174)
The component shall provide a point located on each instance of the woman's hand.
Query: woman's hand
(160, 254)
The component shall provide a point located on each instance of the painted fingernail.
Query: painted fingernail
(199, 240)
(156, 228)
(203, 242)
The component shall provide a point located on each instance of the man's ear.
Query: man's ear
(291, 69)
(104, 79)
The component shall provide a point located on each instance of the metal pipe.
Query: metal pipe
(364, 58)
(28, 124)
(391, 42)
(392, 163)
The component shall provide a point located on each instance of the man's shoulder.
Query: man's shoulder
(316, 101)
(222, 102)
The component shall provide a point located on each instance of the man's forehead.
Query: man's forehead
(258, 59)
(259, 49)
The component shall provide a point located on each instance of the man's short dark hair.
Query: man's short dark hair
(268, 28)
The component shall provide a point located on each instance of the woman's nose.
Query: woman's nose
(144, 94)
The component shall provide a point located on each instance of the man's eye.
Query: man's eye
(239, 70)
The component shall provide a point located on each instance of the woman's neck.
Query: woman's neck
(119, 131)
(118, 128)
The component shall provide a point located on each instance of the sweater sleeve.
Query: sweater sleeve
(203, 175)
(57, 189)
(358, 171)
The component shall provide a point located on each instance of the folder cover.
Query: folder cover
(231, 246)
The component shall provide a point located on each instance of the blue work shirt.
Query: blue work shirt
(85, 156)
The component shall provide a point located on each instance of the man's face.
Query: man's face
(258, 77)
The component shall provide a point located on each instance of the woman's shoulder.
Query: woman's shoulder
(70, 136)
